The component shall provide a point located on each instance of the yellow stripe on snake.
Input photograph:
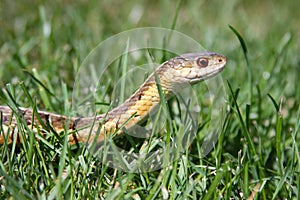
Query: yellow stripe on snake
(185, 69)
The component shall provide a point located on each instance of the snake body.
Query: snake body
(171, 75)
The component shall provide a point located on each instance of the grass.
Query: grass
(257, 154)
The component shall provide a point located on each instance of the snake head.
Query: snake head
(195, 67)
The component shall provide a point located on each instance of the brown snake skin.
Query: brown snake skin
(185, 69)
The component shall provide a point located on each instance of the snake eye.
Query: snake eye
(202, 62)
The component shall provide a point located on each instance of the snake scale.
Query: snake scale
(188, 68)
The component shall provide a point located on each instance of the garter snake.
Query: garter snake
(188, 68)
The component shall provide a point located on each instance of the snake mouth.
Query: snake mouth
(206, 76)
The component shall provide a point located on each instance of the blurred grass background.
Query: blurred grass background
(54, 37)
(66, 31)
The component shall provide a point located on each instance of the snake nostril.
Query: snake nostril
(220, 60)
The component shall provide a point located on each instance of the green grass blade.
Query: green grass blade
(245, 52)
(212, 188)
(178, 5)
(243, 125)
(278, 136)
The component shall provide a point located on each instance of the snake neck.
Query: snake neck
(144, 100)
(134, 110)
